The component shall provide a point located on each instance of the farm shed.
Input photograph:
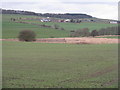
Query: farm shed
(113, 22)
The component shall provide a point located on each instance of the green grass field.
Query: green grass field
(40, 65)
(12, 29)
(75, 26)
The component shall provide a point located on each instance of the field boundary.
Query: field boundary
(77, 40)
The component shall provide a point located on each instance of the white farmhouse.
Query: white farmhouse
(67, 20)
(45, 20)
(113, 22)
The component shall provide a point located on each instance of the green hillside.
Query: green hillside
(75, 26)
(11, 28)
(52, 65)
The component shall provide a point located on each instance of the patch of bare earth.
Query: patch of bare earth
(77, 40)
(107, 35)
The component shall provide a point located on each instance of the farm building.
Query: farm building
(67, 20)
(61, 20)
(45, 20)
(113, 22)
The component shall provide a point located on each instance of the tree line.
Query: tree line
(85, 32)
(64, 16)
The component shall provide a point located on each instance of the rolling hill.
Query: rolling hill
(11, 29)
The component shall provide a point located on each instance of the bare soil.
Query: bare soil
(77, 40)
(107, 35)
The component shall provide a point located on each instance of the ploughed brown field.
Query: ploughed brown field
(76, 40)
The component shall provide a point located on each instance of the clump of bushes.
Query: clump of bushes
(104, 31)
(51, 36)
(109, 31)
(55, 26)
(62, 29)
(72, 31)
(27, 35)
(43, 25)
(94, 33)
(81, 32)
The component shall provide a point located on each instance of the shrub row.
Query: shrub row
(28, 35)
(104, 31)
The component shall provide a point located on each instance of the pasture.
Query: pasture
(56, 65)
(11, 29)
(75, 26)
(41, 65)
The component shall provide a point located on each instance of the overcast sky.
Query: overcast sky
(106, 9)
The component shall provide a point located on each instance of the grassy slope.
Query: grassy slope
(12, 29)
(75, 26)
(29, 65)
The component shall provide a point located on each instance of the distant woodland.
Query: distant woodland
(64, 16)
